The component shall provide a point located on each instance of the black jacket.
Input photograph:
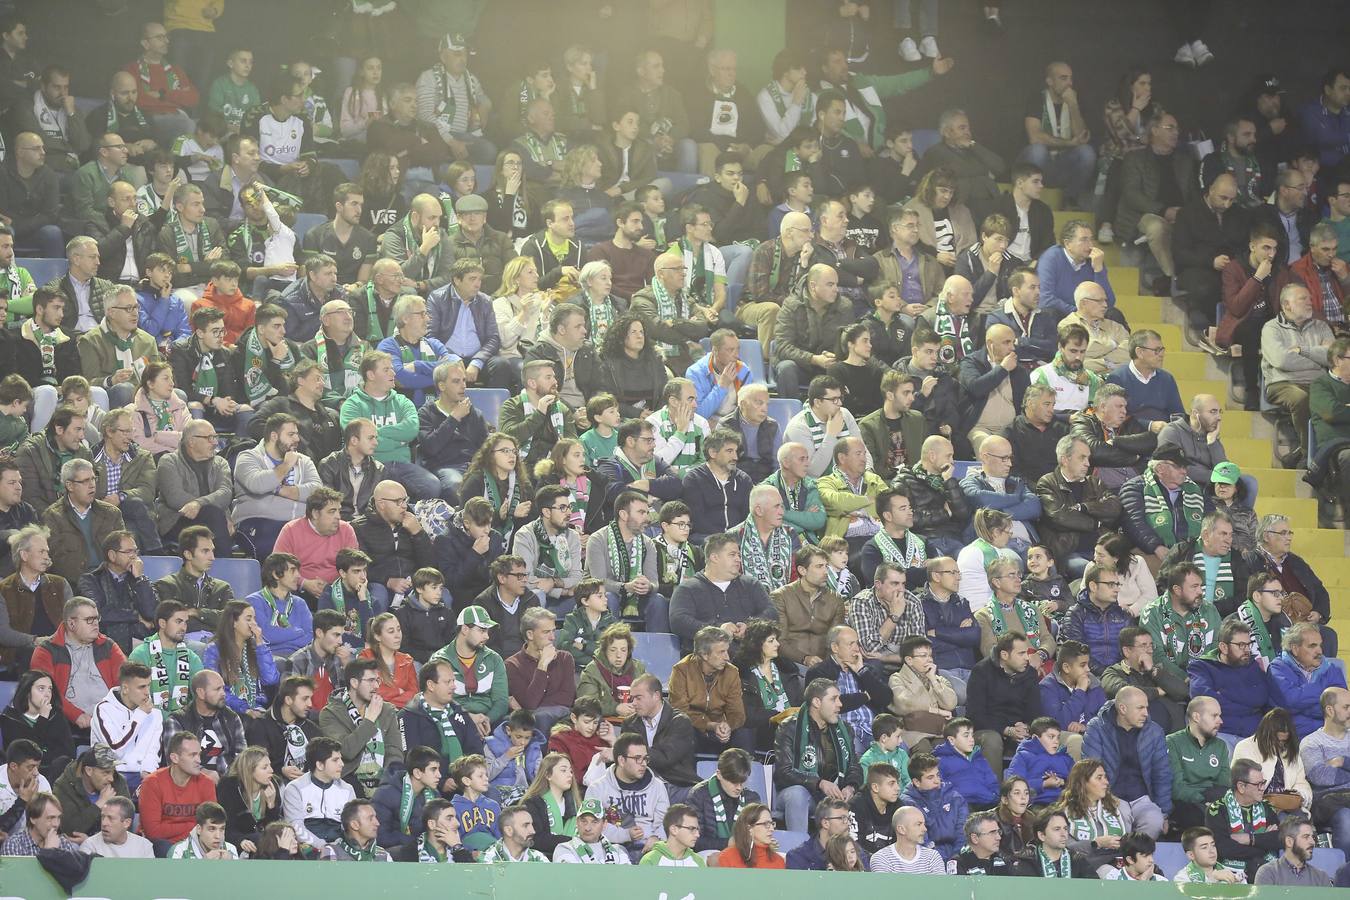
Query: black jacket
(1268, 214)
(240, 823)
(420, 731)
(979, 378)
(587, 367)
(394, 553)
(731, 221)
(1027, 864)
(466, 572)
(1040, 220)
(701, 800)
(123, 605)
(673, 747)
(185, 357)
(446, 442)
(1131, 447)
(26, 359)
(426, 629)
(931, 518)
(943, 406)
(970, 265)
(335, 471)
(873, 828)
(112, 235)
(1185, 551)
(30, 204)
(757, 716)
(51, 734)
(269, 733)
(320, 433)
(766, 444)
(995, 699)
(1198, 236)
(11, 520)
(1033, 450)
(873, 691)
(549, 266)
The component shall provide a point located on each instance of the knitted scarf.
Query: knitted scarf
(375, 332)
(1027, 614)
(182, 246)
(427, 853)
(542, 151)
(411, 245)
(668, 307)
(351, 365)
(205, 384)
(1250, 820)
(357, 614)
(808, 757)
(817, 429)
(954, 332)
(171, 78)
(1082, 377)
(720, 816)
(699, 280)
(246, 686)
(558, 820)
(625, 560)
(691, 440)
(135, 117)
(771, 565)
(161, 410)
(256, 356)
(555, 554)
(599, 316)
(446, 103)
(494, 496)
(168, 682)
(672, 562)
(1158, 511)
(1223, 579)
(280, 614)
(557, 417)
(1051, 869)
(1098, 821)
(356, 851)
(371, 766)
(586, 853)
(580, 498)
(913, 556)
(1248, 613)
(771, 693)
(780, 102)
(451, 748)
(405, 803)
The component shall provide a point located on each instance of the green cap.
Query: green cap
(591, 807)
(1225, 473)
(475, 615)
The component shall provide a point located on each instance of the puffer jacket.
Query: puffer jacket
(1100, 742)
(930, 503)
(944, 811)
(1098, 628)
(1033, 762)
(1067, 705)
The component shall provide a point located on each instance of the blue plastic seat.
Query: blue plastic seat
(751, 353)
(782, 409)
(924, 138)
(1169, 858)
(488, 401)
(244, 575)
(42, 269)
(1328, 859)
(156, 567)
(7, 689)
(659, 651)
(788, 840)
(304, 222)
(705, 768)
(350, 167)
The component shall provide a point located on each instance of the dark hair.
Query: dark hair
(1136, 844)
(328, 619)
(920, 764)
(1128, 635)
(23, 750)
(431, 671)
(350, 556)
(210, 813)
(225, 641)
(1191, 835)
(130, 670)
(276, 565)
(884, 724)
(751, 652)
(351, 809)
(1267, 736)
(320, 749)
(19, 702)
(320, 497)
(357, 669)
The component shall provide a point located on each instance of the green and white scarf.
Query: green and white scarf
(586, 853)
(555, 554)
(351, 367)
(1223, 579)
(1248, 613)
(243, 235)
(699, 280)
(353, 615)
(668, 307)
(690, 440)
(720, 816)
(636, 473)
(599, 316)
(171, 78)
(954, 332)
(405, 803)
(371, 766)
(355, 851)
(541, 151)
(135, 117)
(558, 820)
(913, 556)
(412, 244)
(447, 104)
(204, 380)
(163, 420)
(375, 332)
(1252, 820)
(771, 565)
(672, 563)
(780, 102)
(771, 693)
(625, 560)
(246, 686)
(557, 417)
(183, 247)
(427, 853)
(169, 684)
(1086, 829)
(808, 757)
(451, 748)
(1158, 512)
(281, 615)
(1027, 615)
(256, 356)
(494, 496)
(1052, 869)
(817, 429)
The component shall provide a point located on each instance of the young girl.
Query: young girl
(566, 465)
(243, 659)
(477, 812)
(676, 558)
(398, 678)
(582, 626)
(841, 580)
(463, 181)
(584, 735)
(161, 414)
(600, 441)
(552, 799)
(1227, 492)
(364, 102)
(76, 393)
(1047, 585)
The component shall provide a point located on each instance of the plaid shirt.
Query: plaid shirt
(866, 614)
(114, 468)
(20, 843)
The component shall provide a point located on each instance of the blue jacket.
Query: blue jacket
(443, 307)
(1100, 743)
(296, 633)
(1016, 499)
(1099, 629)
(302, 308)
(1243, 692)
(1068, 705)
(971, 776)
(267, 677)
(418, 384)
(1298, 691)
(945, 811)
(710, 394)
(1330, 134)
(466, 572)
(510, 776)
(1159, 399)
(809, 856)
(1059, 279)
(163, 318)
(1032, 762)
(954, 647)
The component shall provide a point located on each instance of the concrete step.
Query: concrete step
(1124, 279)
(1302, 513)
(1278, 482)
(1332, 570)
(1251, 453)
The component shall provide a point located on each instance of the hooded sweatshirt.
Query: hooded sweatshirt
(395, 420)
(510, 776)
(643, 803)
(133, 734)
(945, 811)
(970, 775)
(1033, 762)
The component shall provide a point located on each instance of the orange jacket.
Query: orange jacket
(404, 686)
(238, 309)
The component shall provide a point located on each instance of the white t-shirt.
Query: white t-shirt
(279, 142)
(135, 847)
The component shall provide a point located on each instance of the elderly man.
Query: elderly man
(1059, 142)
(1274, 540)
(959, 331)
(941, 509)
(757, 449)
(1076, 507)
(1034, 434)
(1134, 752)
(119, 587)
(806, 332)
(1300, 676)
(775, 268)
(1208, 234)
(319, 430)
(474, 239)
(115, 352)
(89, 188)
(305, 297)
(82, 662)
(32, 598)
(79, 524)
(1166, 690)
(471, 336)
(1075, 386)
(452, 100)
(126, 240)
(338, 349)
(706, 688)
(766, 544)
(1163, 506)
(194, 486)
(1151, 391)
(85, 294)
(165, 91)
(1071, 262)
(1119, 445)
(803, 511)
(1294, 353)
(1107, 338)
(1155, 184)
(1244, 825)
(724, 116)
(372, 304)
(417, 352)
(991, 486)
(417, 244)
(849, 493)
(674, 323)
(994, 383)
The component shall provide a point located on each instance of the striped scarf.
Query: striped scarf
(691, 441)
(817, 429)
(769, 565)
(1158, 511)
(1223, 578)
(913, 556)
(668, 307)
(954, 332)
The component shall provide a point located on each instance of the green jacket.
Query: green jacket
(1196, 769)
(808, 521)
(873, 91)
(535, 432)
(98, 356)
(138, 477)
(78, 812)
(577, 637)
(1329, 402)
(89, 189)
(877, 436)
(593, 684)
(1172, 652)
(491, 697)
(395, 420)
(172, 695)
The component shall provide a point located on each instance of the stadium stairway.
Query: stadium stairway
(1249, 437)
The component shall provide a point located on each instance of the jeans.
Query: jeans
(655, 616)
(140, 519)
(450, 480)
(1148, 818)
(957, 678)
(1294, 398)
(500, 373)
(213, 517)
(546, 716)
(1340, 829)
(928, 16)
(789, 376)
(796, 802)
(1074, 168)
(737, 257)
(44, 404)
(421, 484)
(684, 158)
(482, 152)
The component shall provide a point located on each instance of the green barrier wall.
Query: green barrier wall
(200, 880)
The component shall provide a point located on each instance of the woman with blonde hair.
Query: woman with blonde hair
(993, 533)
(522, 310)
(602, 308)
(579, 183)
(398, 675)
(251, 796)
(552, 800)
(946, 228)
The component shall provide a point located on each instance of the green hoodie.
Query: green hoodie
(1195, 768)
(489, 697)
(577, 637)
(395, 420)
(660, 855)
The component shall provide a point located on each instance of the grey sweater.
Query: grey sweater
(1315, 750)
(1201, 457)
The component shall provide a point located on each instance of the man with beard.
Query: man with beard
(215, 725)
(343, 239)
(517, 841)
(1231, 675)
(171, 661)
(272, 482)
(630, 787)
(365, 724)
(1183, 625)
(1225, 571)
(1298, 837)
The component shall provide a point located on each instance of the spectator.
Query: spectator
(1072, 262)
(701, 600)
(1292, 867)
(353, 470)
(366, 726)
(30, 197)
(78, 523)
(1074, 384)
(1135, 758)
(1213, 552)
(244, 660)
(1163, 506)
(1002, 696)
(1152, 404)
(721, 380)
(1207, 236)
(803, 774)
(170, 798)
(1242, 812)
(1096, 619)
(1058, 136)
(377, 401)
(974, 167)
(1034, 435)
(1042, 762)
(1200, 762)
(1198, 437)
(274, 480)
(994, 383)
(208, 717)
(1230, 675)
(940, 505)
(120, 590)
(1035, 231)
(668, 733)
(1076, 506)
(394, 539)
(1301, 675)
(807, 609)
(806, 330)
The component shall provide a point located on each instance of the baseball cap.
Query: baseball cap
(1225, 473)
(591, 807)
(1169, 453)
(475, 615)
(1268, 84)
(456, 40)
(99, 756)
(471, 203)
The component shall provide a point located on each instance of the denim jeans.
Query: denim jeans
(421, 484)
(656, 615)
(796, 802)
(1074, 169)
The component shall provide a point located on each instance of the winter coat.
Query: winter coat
(1244, 692)
(1063, 526)
(1100, 742)
(1033, 762)
(1068, 705)
(176, 485)
(944, 811)
(70, 554)
(970, 775)
(420, 730)
(995, 699)
(930, 504)
(1299, 691)
(1098, 628)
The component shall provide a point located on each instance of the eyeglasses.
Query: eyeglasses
(638, 759)
(131, 550)
(113, 147)
(1114, 584)
(1001, 457)
(208, 437)
(398, 501)
(510, 450)
(89, 620)
(516, 574)
(764, 823)
(566, 507)
(838, 399)
(1154, 349)
(946, 572)
(1256, 784)
(1240, 645)
(1285, 533)
(134, 309)
(680, 523)
(1276, 592)
(90, 480)
(686, 827)
(987, 833)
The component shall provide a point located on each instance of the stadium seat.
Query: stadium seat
(782, 409)
(751, 353)
(244, 575)
(705, 768)
(787, 840)
(7, 689)
(658, 651)
(1169, 859)
(961, 466)
(1328, 859)
(351, 168)
(304, 222)
(761, 782)
(43, 270)
(488, 401)
(924, 138)
(156, 567)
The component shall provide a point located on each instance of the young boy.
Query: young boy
(232, 94)
(800, 191)
(427, 624)
(961, 764)
(874, 807)
(223, 293)
(477, 812)
(676, 558)
(76, 392)
(1204, 867)
(894, 168)
(602, 411)
(841, 580)
(1042, 762)
(1136, 849)
(161, 168)
(943, 807)
(585, 735)
(654, 211)
(163, 315)
(513, 751)
(316, 108)
(15, 398)
(888, 746)
(350, 595)
(677, 850)
(201, 153)
(263, 245)
(207, 839)
(582, 627)
(864, 228)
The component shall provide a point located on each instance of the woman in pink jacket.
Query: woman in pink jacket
(161, 414)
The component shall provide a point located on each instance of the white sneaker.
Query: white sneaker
(909, 51)
(1201, 53)
(1106, 234)
(1185, 55)
(928, 47)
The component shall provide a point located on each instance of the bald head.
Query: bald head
(1222, 192)
(669, 267)
(822, 282)
(958, 294)
(795, 229)
(1000, 341)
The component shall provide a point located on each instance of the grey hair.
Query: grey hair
(192, 428)
(1322, 231)
(786, 448)
(442, 371)
(1269, 523)
(759, 492)
(73, 467)
(533, 617)
(949, 116)
(1064, 446)
(21, 540)
(591, 269)
(1295, 635)
(1290, 289)
(403, 306)
(708, 637)
(82, 240)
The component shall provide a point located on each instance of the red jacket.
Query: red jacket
(156, 78)
(578, 749)
(1241, 292)
(404, 686)
(169, 812)
(52, 656)
(1304, 270)
(765, 858)
(238, 309)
